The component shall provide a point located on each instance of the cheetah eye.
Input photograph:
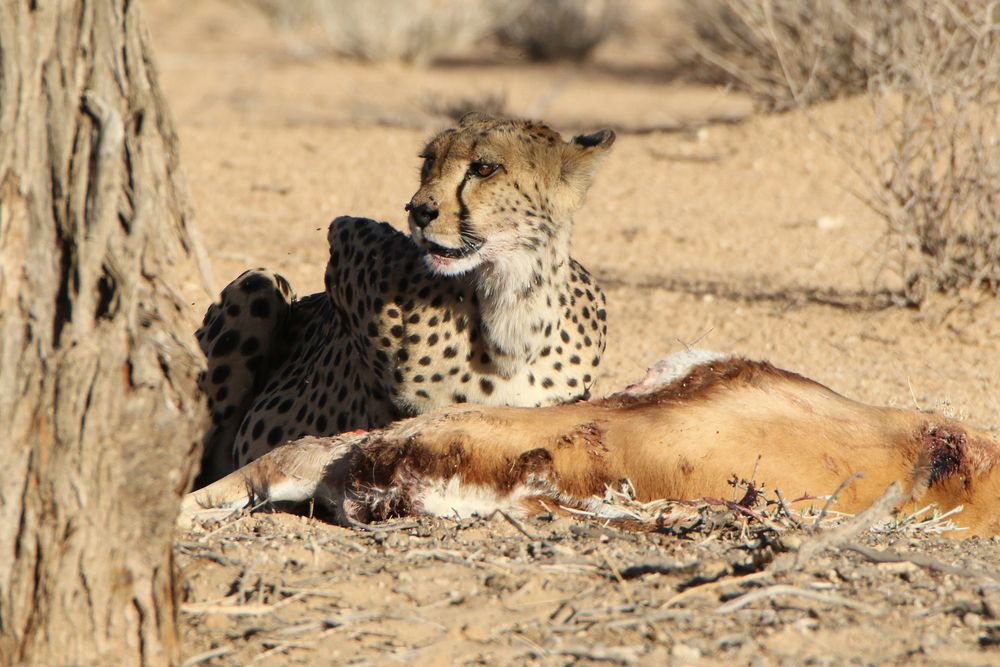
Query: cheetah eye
(483, 169)
(425, 169)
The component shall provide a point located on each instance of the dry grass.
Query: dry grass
(931, 69)
(785, 52)
(563, 29)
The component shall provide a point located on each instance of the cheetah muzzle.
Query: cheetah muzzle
(482, 303)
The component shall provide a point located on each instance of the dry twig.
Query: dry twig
(833, 498)
(617, 574)
(786, 509)
(842, 533)
(199, 658)
(920, 560)
(514, 522)
(202, 608)
(783, 589)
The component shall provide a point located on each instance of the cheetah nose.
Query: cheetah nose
(422, 214)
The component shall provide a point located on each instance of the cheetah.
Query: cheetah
(481, 303)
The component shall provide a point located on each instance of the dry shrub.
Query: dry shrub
(414, 31)
(786, 52)
(419, 31)
(563, 29)
(932, 72)
(935, 147)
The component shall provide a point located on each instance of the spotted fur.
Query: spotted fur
(481, 304)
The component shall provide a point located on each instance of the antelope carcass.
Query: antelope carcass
(682, 433)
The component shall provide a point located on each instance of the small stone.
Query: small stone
(684, 653)
(791, 542)
(806, 625)
(829, 222)
(991, 604)
(903, 568)
(964, 602)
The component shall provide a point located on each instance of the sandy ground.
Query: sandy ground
(700, 230)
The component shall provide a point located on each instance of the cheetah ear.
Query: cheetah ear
(601, 139)
(581, 156)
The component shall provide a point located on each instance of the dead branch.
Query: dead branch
(840, 534)
(920, 560)
(514, 522)
(833, 498)
(637, 570)
(621, 655)
(205, 608)
(784, 589)
(206, 656)
(787, 510)
(712, 585)
(616, 571)
(381, 527)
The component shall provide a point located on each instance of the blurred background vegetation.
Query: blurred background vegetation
(421, 31)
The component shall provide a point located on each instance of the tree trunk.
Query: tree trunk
(99, 417)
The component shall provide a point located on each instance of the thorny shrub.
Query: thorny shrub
(784, 52)
(563, 29)
(931, 69)
(935, 147)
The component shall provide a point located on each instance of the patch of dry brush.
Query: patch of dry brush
(931, 69)
(935, 148)
(563, 29)
(420, 31)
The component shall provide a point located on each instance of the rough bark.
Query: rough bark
(98, 408)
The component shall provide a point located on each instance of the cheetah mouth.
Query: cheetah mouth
(467, 249)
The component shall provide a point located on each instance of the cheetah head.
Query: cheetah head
(496, 190)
